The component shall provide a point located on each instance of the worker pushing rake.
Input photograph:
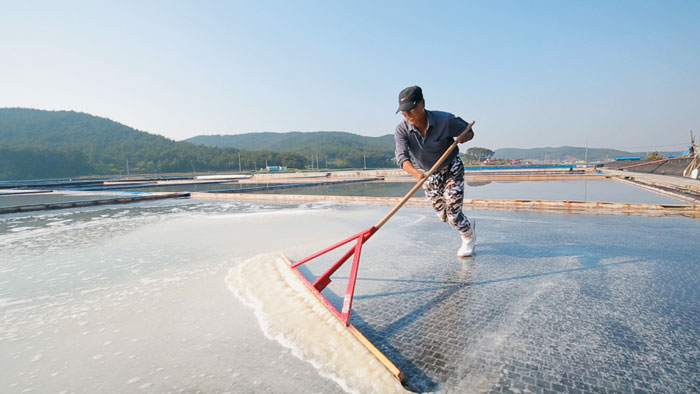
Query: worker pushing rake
(431, 138)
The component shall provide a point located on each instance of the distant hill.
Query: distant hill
(37, 144)
(92, 135)
(567, 153)
(295, 141)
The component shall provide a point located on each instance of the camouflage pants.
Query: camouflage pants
(445, 189)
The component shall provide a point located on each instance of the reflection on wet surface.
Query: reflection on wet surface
(548, 303)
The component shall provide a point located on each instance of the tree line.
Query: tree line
(38, 162)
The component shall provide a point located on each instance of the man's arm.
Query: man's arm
(411, 169)
(467, 137)
(403, 157)
(457, 126)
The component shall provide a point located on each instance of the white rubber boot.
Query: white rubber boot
(468, 242)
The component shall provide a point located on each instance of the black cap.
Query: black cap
(409, 98)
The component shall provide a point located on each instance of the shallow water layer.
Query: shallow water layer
(135, 299)
(202, 187)
(574, 190)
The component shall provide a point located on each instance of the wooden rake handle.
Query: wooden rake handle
(422, 180)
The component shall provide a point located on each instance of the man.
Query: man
(425, 136)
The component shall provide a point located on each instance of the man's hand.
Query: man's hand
(409, 168)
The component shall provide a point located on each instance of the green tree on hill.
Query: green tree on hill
(478, 154)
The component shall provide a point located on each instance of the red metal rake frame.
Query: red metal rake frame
(322, 281)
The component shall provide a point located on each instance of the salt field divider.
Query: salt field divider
(14, 192)
(85, 203)
(291, 185)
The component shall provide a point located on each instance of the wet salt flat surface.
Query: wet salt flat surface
(136, 299)
(548, 303)
(577, 190)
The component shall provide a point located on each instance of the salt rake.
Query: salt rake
(322, 281)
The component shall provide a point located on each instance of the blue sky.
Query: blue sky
(622, 74)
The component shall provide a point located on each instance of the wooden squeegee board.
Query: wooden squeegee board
(393, 369)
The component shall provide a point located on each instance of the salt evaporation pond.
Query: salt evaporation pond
(136, 299)
(575, 190)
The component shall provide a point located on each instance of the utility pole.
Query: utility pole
(692, 140)
(586, 160)
(239, 162)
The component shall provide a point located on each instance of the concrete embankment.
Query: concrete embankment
(683, 188)
(562, 206)
(87, 203)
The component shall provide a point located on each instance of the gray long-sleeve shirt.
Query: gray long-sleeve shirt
(442, 128)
